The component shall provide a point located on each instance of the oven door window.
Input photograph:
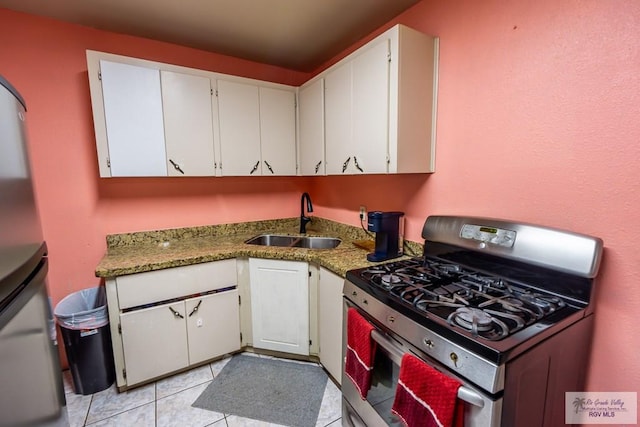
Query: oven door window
(384, 381)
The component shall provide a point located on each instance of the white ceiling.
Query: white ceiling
(295, 34)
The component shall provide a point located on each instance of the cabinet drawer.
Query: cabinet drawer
(160, 285)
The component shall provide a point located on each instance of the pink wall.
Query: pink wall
(537, 121)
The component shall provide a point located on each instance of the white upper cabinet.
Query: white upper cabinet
(239, 115)
(133, 118)
(337, 118)
(150, 122)
(257, 129)
(188, 124)
(370, 110)
(311, 128)
(278, 131)
(154, 119)
(357, 110)
(374, 112)
(380, 106)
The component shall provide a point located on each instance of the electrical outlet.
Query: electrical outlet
(363, 212)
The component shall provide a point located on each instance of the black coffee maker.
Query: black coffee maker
(389, 230)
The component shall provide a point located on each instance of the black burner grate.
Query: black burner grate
(487, 306)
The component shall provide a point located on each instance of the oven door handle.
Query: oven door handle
(465, 394)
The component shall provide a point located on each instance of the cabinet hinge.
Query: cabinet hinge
(119, 328)
(239, 300)
(216, 92)
(99, 75)
(309, 342)
(240, 336)
(124, 374)
(389, 56)
(211, 91)
(309, 273)
(108, 162)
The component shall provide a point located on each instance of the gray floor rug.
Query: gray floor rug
(267, 390)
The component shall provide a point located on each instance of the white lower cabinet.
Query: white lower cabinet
(330, 322)
(179, 334)
(280, 305)
(166, 320)
(154, 342)
(212, 326)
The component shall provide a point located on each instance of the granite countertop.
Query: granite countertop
(155, 250)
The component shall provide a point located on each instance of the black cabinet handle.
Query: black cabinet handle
(355, 162)
(345, 164)
(255, 167)
(268, 167)
(176, 314)
(195, 309)
(176, 166)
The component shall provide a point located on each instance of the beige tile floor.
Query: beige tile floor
(167, 403)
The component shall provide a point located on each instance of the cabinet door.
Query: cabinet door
(239, 118)
(280, 305)
(311, 116)
(213, 325)
(188, 124)
(154, 341)
(278, 131)
(338, 120)
(133, 118)
(330, 322)
(370, 110)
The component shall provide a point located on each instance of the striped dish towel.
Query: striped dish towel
(426, 397)
(360, 351)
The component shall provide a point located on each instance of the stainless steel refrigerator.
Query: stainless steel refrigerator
(31, 389)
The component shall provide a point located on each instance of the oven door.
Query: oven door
(480, 409)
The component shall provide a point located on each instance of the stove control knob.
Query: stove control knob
(454, 359)
(428, 343)
(365, 302)
(391, 319)
(354, 294)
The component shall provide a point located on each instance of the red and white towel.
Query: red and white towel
(360, 351)
(425, 397)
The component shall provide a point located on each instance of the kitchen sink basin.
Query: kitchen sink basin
(294, 241)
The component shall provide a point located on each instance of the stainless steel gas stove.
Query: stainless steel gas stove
(503, 307)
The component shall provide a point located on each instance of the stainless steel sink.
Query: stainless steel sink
(294, 241)
(317, 242)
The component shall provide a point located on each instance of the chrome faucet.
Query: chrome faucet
(304, 219)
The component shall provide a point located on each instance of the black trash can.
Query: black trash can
(84, 323)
